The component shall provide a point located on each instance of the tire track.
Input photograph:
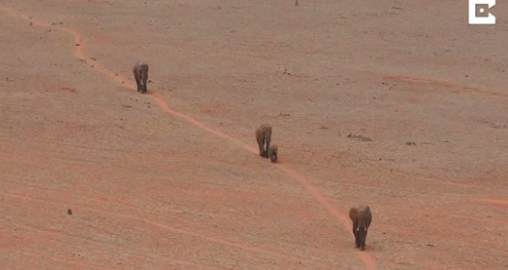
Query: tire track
(66, 200)
(456, 87)
(420, 80)
(47, 233)
(495, 201)
(165, 227)
(76, 264)
(366, 258)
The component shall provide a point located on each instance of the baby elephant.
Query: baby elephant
(140, 71)
(263, 137)
(361, 217)
(272, 153)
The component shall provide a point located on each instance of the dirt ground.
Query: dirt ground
(397, 104)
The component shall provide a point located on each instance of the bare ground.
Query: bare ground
(397, 104)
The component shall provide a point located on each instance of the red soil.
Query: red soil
(172, 179)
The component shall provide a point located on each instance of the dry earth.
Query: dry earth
(397, 104)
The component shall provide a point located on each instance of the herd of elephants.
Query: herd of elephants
(361, 215)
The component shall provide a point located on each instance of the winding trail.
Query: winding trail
(80, 42)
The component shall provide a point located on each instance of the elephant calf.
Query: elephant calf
(272, 153)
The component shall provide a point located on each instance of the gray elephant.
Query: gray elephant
(361, 217)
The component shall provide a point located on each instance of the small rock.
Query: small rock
(359, 137)
(69, 212)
